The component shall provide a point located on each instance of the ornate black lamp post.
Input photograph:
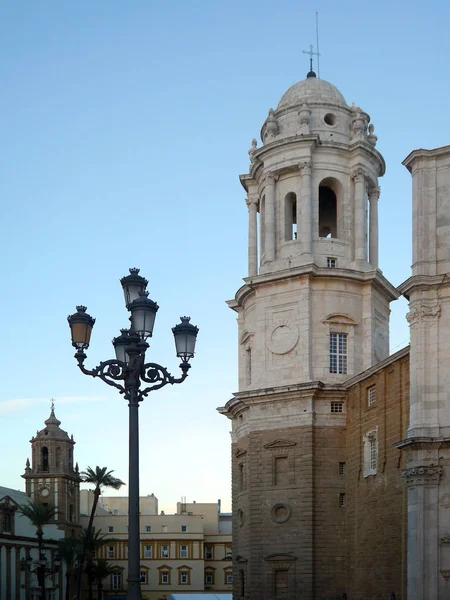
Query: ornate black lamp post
(130, 369)
(41, 569)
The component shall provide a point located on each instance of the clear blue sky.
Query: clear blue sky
(124, 129)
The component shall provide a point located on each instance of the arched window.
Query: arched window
(44, 456)
(58, 457)
(7, 522)
(327, 212)
(290, 216)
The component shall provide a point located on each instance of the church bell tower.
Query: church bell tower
(313, 311)
(51, 476)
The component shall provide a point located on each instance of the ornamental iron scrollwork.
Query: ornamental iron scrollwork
(113, 371)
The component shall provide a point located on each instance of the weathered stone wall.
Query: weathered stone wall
(376, 504)
(329, 516)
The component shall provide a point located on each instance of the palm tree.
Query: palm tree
(39, 513)
(70, 549)
(96, 541)
(101, 478)
(100, 570)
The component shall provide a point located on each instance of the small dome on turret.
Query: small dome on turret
(52, 429)
(311, 89)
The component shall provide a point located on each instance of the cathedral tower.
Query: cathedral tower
(51, 477)
(428, 442)
(313, 311)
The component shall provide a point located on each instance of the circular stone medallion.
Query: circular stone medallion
(284, 338)
(280, 512)
(44, 492)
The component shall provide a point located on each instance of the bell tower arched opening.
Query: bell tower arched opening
(44, 457)
(330, 202)
(290, 217)
(327, 212)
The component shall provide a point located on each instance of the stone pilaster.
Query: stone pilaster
(360, 232)
(252, 203)
(304, 208)
(374, 195)
(269, 223)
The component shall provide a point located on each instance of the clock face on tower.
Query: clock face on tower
(44, 492)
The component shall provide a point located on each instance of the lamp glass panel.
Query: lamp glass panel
(143, 321)
(120, 353)
(81, 333)
(185, 344)
(131, 292)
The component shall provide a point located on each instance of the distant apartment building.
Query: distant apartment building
(189, 551)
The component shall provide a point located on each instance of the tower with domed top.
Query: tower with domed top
(313, 311)
(52, 477)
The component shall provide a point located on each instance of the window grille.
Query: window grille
(331, 262)
(338, 353)
(372, 396)
(337, 407)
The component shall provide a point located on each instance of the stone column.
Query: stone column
(252, 203)
(423, 552)
(374, 195)
(360, 214)
(304, 208)
(269, 221)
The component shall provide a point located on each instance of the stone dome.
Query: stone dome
(311, 90)
(52, 429)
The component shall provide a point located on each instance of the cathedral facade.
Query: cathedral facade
(339, 451)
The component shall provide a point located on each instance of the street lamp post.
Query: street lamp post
(130, 369)
(41, 569)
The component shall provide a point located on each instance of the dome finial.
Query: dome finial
(311, 54)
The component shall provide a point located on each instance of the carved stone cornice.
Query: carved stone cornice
(423, 311)
(424, 475)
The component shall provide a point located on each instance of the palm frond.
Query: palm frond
(100, 477)
(39, 513)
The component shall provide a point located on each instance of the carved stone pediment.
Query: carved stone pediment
(280, 444)
(280, 561)
(8, 504)
(339, 319)
(239, 452)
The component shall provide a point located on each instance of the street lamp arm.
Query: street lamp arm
(159, 376)
(109, 371)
